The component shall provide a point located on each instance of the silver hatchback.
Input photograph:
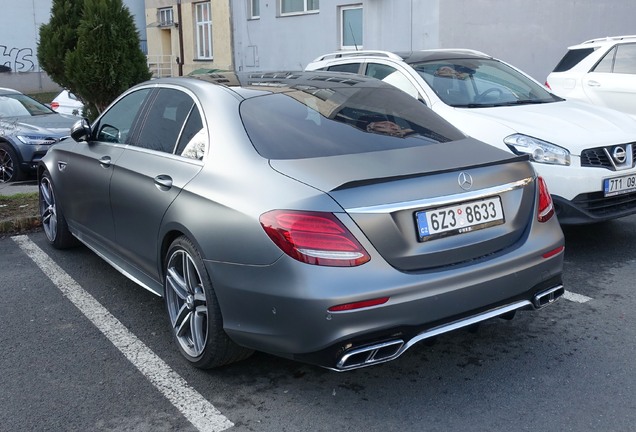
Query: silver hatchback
(322, 217)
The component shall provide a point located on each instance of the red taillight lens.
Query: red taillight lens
(314, 238)
(546, 207)
(55, 105)
(548, 85)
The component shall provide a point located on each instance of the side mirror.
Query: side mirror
(81, 130)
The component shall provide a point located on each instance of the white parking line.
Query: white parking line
(579, 298)
(198, 410)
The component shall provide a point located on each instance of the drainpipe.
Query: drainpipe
(180, 32)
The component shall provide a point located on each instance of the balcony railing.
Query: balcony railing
(162, 66)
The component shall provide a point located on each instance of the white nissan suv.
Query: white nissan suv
(586, 153)
(599, 71)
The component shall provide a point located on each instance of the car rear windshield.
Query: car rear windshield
(572, 58)
(317, 122)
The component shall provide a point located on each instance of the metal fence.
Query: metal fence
(162, 65)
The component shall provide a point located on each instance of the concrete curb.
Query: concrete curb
(24, 224)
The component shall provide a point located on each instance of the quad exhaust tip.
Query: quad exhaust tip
(390, 350)
(547, 297)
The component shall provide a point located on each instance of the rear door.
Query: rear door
(612, 82)
(152, 171)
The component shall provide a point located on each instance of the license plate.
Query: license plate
(619, 185)
(459, 218)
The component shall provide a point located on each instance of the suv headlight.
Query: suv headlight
(36, 139)
(539, 151)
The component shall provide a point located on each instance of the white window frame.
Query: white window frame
(300, 12)
(165, 16)
(343, 30)
(203, 22)
(252, 6)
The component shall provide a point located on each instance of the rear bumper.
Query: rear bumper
(392, 343)
(283, 308)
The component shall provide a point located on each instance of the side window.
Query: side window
(391, 75)
(625, 62)
(164, 120)
(348, 67)
(194, 139)
(607, 62)
(115, 124)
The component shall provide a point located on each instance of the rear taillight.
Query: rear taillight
(546, 207)
(314, 238)
(55, 105)
(548, 85)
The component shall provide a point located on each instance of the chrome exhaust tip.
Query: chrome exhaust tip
(548, 296)
(372, 354)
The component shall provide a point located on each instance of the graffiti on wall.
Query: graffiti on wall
(17, 59)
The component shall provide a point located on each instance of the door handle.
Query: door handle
(593, 83)
(105, 161)
(163, 182)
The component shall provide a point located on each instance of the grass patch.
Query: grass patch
(19, 212)
(45, 97)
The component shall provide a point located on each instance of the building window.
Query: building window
(165, 17)
(254, 9)
(351, 27)
(292, 7)
(204, 30)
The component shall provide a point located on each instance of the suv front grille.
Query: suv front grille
(600, 157)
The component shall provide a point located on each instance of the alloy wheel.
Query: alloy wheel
(186, 302)
(48, 209)
(7, 168)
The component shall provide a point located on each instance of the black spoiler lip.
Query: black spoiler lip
(340, 172)
(358, 183)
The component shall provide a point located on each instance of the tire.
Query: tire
(52, 217)
(9, 165)
(193, 310)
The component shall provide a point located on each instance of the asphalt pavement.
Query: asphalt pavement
(18, 187)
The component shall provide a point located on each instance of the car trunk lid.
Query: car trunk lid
(389, 193)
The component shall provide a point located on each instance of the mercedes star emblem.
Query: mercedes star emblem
(465, 181)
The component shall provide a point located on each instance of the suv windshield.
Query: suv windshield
(479, 83)
(308, 122)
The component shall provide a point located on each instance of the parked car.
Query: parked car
(67, 103)
(321, 217)
(599, 71)
(585, 153)
(27, 130)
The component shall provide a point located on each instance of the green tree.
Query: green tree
(58, 37)
(92, 48)
(108, 57)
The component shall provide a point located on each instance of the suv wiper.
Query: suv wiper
(475, 105)
(525, 102)
(501, 104)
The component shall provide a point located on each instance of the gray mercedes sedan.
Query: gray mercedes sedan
(323, 217)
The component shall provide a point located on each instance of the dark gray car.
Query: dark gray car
(27, 130)
(327, 218)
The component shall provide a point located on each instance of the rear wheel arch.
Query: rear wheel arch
(193, 310)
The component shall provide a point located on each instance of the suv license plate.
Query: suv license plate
(459, 218)
(619, 185)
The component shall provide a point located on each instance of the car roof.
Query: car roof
(407, 56)
(5, 90)
(249, 84)
(611, 40)
(441, 54)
